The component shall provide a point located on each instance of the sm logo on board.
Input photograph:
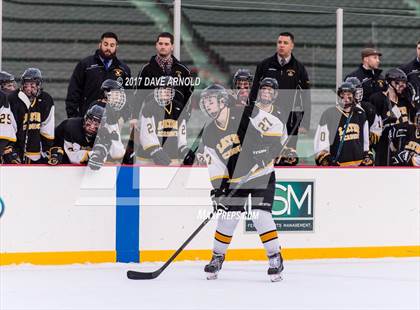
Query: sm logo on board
(293, 206)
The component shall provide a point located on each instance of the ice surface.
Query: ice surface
(312, 284)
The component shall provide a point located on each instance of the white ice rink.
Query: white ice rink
(311, 284)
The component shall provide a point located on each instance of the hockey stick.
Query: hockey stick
(342, 138)
(139, 275)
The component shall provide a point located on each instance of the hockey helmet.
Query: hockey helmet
(92, 120)
(7, 82)
(395, 74)
(30, 76)
(397, 79)
(342, 100)
(242, 75)
(214, 107)
(268, 91)
(114, 94)
(165, 92)
(358, 95)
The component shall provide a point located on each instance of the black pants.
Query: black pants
(260, 191)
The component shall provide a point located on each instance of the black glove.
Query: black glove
(262, 156)
(160, 157)
(220, 200)
(367, 159)
(10, 156)
(105, 137)
(187, 156)
(288, 157)
(324, 159)
(403, 158)
(98, 157)
(55, 156)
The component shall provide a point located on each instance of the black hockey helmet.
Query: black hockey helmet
(395, 74)
(242, 75)
(164, 93)
(7, 81)
(92, 120)
(111, 84)
(346, 87)
(399, 78)
(271, 83)
(358, 95)
(31, 75)
(214, 91)
(114, 94)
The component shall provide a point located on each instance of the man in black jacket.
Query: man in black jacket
(163, 64)
(412, 69)
(369, 73)
(152, 74)
(292, 77)
(86, 80)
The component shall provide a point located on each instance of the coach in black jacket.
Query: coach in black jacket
(412, 69)
(86, 80)
(369, 73)
(294, 97)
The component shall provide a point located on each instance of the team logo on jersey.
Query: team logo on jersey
(291, 72)
(178, 73)
(118, 72)
(2, 206)
(381, 83)
(293, 206)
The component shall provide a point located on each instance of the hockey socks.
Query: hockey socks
(223, 235)
(266, 228)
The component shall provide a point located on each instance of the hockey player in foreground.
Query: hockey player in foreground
(236, 141)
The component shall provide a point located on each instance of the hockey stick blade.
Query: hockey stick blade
(138, 275)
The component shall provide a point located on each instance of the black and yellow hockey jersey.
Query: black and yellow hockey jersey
(70, 136)
(164, 127)
(330, 131)
(229, 150)
(35, 124)
(8, 125)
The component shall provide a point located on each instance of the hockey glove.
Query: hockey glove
(160, 157)
(403, 158)
(324, 159)
(288, 157)
(10, 156)
(367, 159)
(373, 138)
(98, 157)
(262, 156)
(219, 199)
(55, 156)
(187, 156)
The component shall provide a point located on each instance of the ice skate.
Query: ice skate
(275, 267)
(213, 268)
